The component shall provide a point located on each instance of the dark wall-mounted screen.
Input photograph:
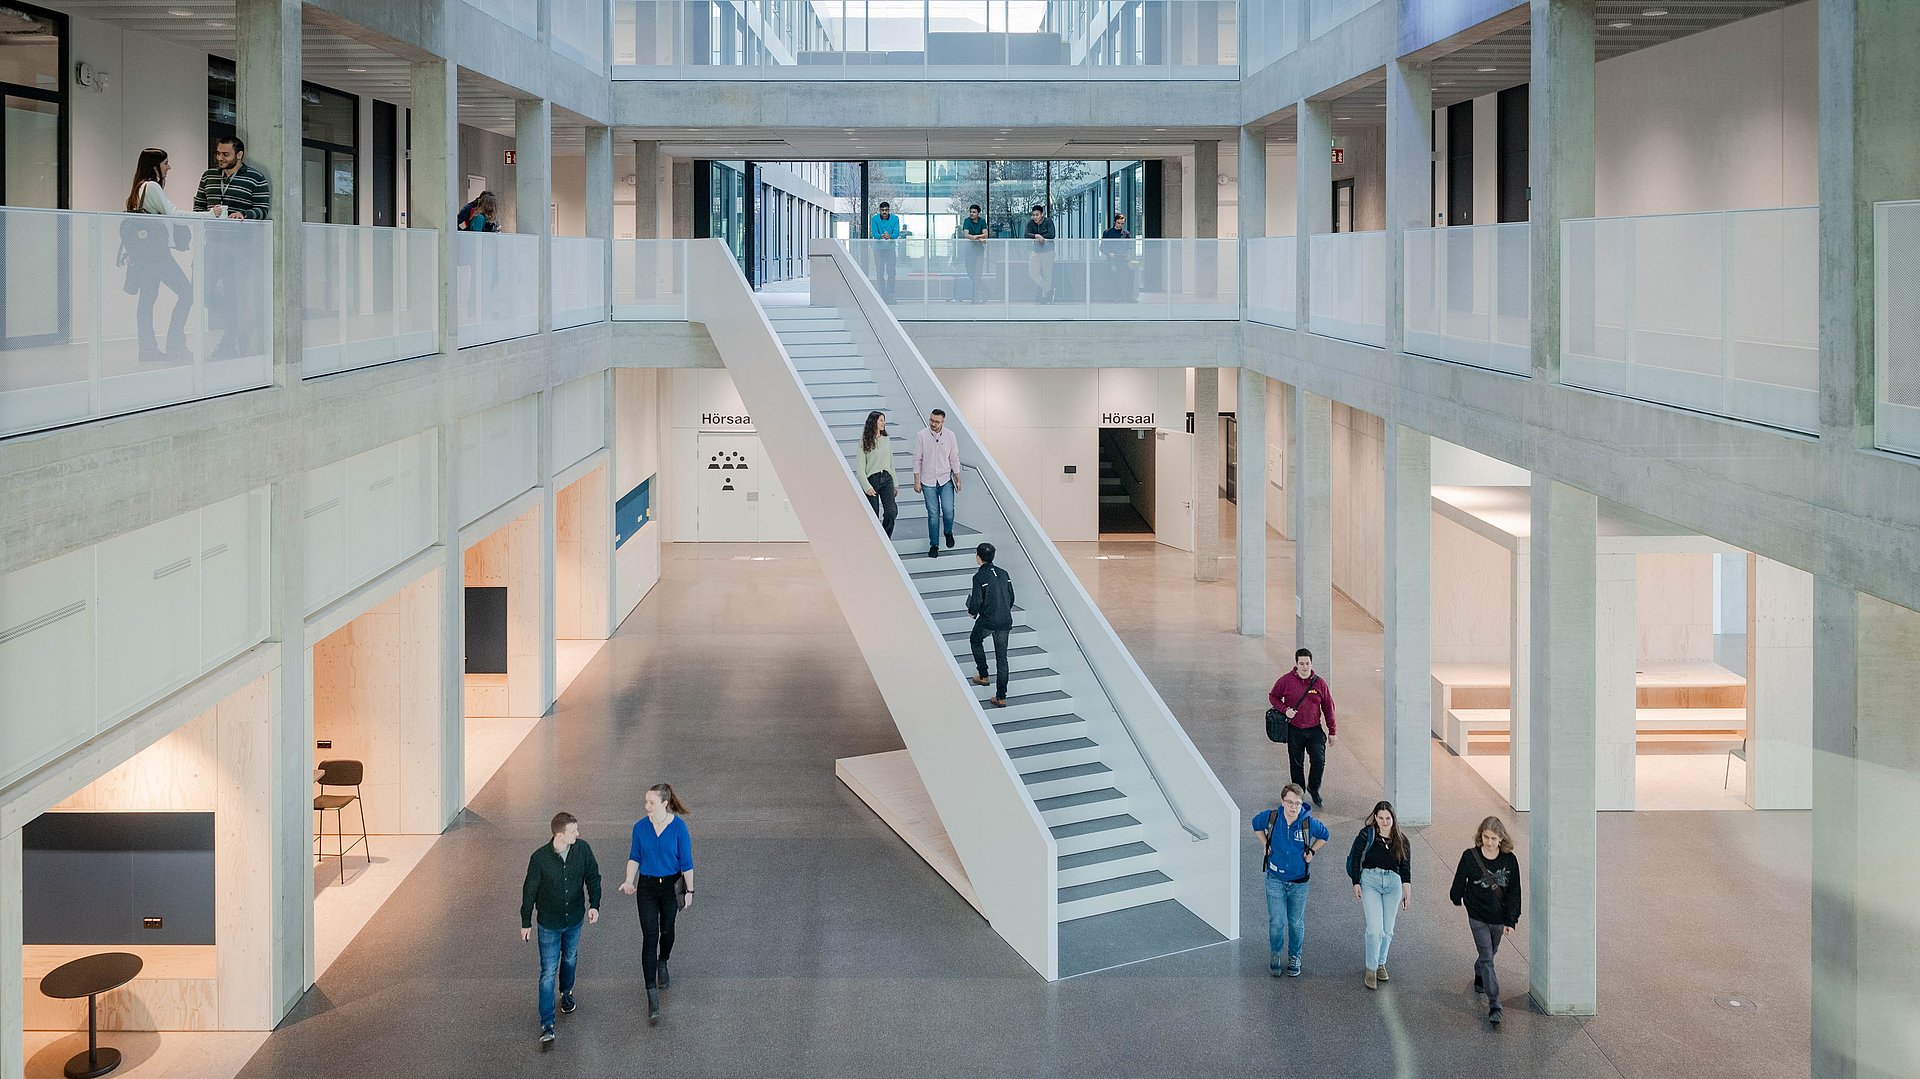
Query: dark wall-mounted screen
(486, 631)
(94, 878)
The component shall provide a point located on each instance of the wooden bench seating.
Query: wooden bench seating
(1488, 686)
(1463, 725)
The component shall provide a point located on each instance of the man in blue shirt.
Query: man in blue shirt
(885, 230)
(1292, 838)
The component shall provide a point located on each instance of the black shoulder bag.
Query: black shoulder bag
(1277, 720)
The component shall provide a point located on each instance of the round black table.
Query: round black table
(89, 976)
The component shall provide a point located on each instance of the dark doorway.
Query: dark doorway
(1126, 481)
(486, 630)
(1460, 163)
(1230, 446)
(1514, 191)
(1343, 205)
(386, 138)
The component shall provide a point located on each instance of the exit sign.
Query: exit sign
(1339, 156)
(509, 157)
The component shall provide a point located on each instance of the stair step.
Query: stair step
(1116, 893)
(1023, 732)
(1044, 756)
(1073, 780)
(1021, 685)
(1115, 500)
(1019, 660)
(1024, 705)
(854, 375)
(961, 646)
(1096, 826)
(800, 314)
(1085, 805)
(1106, 863)
(913, 549)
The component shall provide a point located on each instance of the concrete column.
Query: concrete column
(647, 191)
(453, 632)
(1312, 195)
(267, 82)
(1563, 875)
(1779, 685)
(1407, 688)
(1561, 140)
(600, 203)
(1617, 648)
(1252, 207)
(549, 547)
(533, 188)
(13, 999)
(1869, 110)
(1206, 473)
(1250, 516)
(1311, 439)
(289, 767)
(1173, 187)
(1206, 188)
(1520, 696)
(1409, 179)
(436, 166)
(1866, 779)
(682, 200)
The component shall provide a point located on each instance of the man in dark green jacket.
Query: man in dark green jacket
(557, 875)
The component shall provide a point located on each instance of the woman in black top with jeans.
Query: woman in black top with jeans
(1487, 883)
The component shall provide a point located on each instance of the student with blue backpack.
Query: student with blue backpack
(1292, 837)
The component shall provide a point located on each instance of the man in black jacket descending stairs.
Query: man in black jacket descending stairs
(991, 605)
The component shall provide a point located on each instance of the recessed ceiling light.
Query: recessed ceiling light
(1486, 70)
(1622, 25)
(1343, 117)
(216, 24)
(180, 13)
(358, 70)
(1653, 13)
(1382, 105)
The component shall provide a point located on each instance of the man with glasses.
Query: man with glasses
(1040, 258)
(237, 191)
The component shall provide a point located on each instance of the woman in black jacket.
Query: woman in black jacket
(1487, 883)
(1381, 867)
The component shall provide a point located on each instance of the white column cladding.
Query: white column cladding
(267, 80)
(533, 188)
(1206, 188)
(1562, 845)
(13, 999)
(1313, 195)
(646, 191)
(1520, 673)
(549, 555)
(1779, 685)
(1561, 134)
(599, 143)
(453, 632)
(434, 165)
(1206, 473)
(1866, 776)
(1407, 688)
(1250, 512)
(1311, 438)
(1616, 655)
(1409, 178)
(1252, 205)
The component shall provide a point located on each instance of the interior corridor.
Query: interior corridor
(820, 932)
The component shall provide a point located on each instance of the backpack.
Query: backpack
(466, 213)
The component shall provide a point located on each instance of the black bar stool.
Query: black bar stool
(339, 774)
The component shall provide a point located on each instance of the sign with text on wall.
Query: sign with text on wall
(725, 421)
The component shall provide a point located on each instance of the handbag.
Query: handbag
(680, 893)
(1277, 722)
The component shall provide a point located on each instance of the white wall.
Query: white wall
(694, 511)
(1472, 595)
(1359, 508)
(156, 96)
(1720, 120)
(570, 196)
(1675, 607)
(637, 410)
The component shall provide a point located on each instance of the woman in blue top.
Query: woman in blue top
(659, 862)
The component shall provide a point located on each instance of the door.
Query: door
(728, 488)
(1343, 205)
(386, 200)
(1173, 488)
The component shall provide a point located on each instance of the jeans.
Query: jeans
(1486, 940)
(974, 258)
(1380, 902)
(1040, 270)
(978, 637)
(882, 499)
(885, 258)
(1309, 743)
(658, 905)
(1286, 917)
(939, 510)
(559, 951)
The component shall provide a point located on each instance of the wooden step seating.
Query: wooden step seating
(1676, 701)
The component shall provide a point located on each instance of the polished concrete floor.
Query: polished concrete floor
(820, 944)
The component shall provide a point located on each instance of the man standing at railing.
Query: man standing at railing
(973, 249)
(1040, 259)
(1116, 252)
(884, 229)
(236, 190)
(936, 477)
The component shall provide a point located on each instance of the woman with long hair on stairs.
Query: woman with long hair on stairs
(875, 469)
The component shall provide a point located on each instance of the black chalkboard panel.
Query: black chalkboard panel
(93, 878)
(486, 631)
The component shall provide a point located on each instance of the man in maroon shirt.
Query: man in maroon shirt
(1306, 701)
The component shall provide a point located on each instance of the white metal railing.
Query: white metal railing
(1273, 274)
(1327, 14)
(890, 40)
(1349, 287)
(650, 280)
(1467, 295)
(578, 30)
(1059, 281)
(577, 281)
(523, 15)
(1714, 312)
(497, 282)
(370, 296)
(1896, 325)
(106, 314)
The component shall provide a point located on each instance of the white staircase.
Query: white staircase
(1105, 861)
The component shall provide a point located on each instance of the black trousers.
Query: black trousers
(658, 905)
(978, 637)
(884, 261)
(882, 499)
(1307, 743)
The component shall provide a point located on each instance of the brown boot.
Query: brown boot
(979, 679)
(1381, 973)
(1371, 979)
(998, 702)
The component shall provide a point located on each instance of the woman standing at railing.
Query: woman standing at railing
(876, 469)
(146, 250)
